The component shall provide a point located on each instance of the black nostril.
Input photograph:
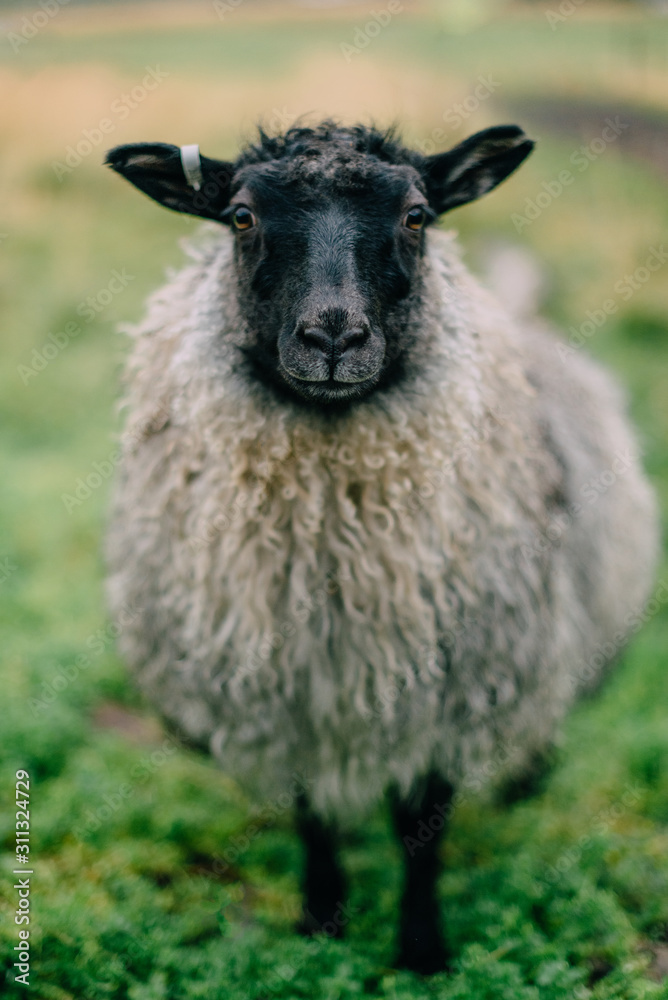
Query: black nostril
(318, 336)
(356, 335)
(336, 343)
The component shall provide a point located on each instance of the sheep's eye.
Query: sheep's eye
(243, 219)
(415, 218)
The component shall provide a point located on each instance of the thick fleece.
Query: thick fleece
(427, 580)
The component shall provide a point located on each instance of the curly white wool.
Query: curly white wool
(406, 586)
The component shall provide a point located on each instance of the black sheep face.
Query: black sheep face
(328, 249)
(330, 232)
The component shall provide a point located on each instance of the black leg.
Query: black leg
(323, 882)
(419, 821)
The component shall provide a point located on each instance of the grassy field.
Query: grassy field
(146, 883)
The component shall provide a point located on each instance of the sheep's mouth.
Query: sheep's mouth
(331, 390)
(341, 373)
(319, 366)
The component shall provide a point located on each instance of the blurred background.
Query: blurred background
(155, 876)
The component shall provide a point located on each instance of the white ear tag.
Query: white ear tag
(192, 166)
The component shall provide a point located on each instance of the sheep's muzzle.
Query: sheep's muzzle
(334, 354)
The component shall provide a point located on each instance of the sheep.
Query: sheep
(358, 502)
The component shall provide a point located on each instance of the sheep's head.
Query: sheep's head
(330, 231)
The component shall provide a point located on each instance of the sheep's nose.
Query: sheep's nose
(329, 343)
(316, 335)
(355, 335)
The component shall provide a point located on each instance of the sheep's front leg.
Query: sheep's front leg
(323, 881)
(420, 821)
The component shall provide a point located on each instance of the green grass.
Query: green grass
(146, 883)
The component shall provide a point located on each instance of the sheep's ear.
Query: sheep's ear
(176, 177)
(475, 166)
